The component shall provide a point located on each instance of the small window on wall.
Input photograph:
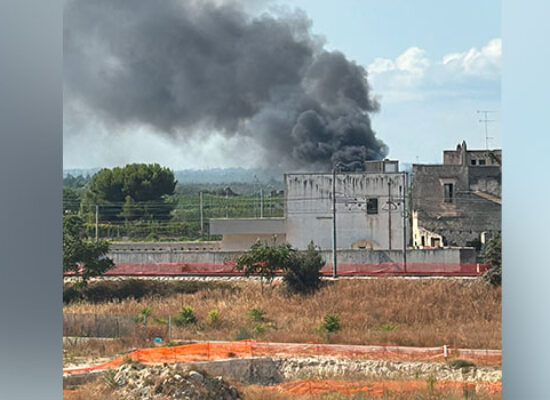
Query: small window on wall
(449, 192)
(372, 206)
(481, 162)
(474, 162)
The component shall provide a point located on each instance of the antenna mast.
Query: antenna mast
(486, 120)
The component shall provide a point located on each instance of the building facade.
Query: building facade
(457, 203)
(369, 210)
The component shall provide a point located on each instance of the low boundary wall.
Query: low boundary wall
(181, 258)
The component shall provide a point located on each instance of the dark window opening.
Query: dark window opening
(448, 188)
(423, 241)
(372, 206)
(473, 162)
(481, 162)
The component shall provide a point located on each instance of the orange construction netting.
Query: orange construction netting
(242, 349)
(372, 388)
(377, 388)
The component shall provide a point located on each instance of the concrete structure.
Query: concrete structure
(457, 203)
(241, 233)
(369, 212)
(369, 209)
(165, 252)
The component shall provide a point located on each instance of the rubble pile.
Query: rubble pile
(162, 382)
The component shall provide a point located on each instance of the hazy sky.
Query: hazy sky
(430, 64)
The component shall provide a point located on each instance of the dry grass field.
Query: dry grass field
(459, 313)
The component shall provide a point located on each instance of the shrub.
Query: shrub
(160, 320)
(388, 327)
(259, 329)
(185, 317)
(265, 260)
(213, 316)
(302, 275)
(262, 327)
(257, 314)
(330, 324)
(243, 334)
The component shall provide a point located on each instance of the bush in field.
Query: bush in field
(213, 316)
(493, 256)
(243, 334)
(301, 270)
(265, 260)
(257, 314)
(303, 274)
(143, 315)
(185, 317)
(330, 325)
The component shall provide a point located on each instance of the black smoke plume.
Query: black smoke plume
(190, 67)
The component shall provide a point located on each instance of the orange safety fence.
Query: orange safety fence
(372, 388)
(224, 350)
(377, 388)
(344, 269)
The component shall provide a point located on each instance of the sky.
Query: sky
(431, 65)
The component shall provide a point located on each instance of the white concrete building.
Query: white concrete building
(369, 212)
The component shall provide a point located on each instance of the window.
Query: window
(448, 189)
(481, 162)
(474, 162)
(372, 206)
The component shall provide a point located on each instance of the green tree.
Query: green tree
(71, 200)
(81, 255)
(302, 275)
(493, 256)
(265, 260)
(140, 186)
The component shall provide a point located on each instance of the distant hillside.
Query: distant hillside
(228, 175)
(80, 172)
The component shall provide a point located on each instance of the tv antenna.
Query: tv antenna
(486, 120)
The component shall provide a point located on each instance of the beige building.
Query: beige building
(241, 233)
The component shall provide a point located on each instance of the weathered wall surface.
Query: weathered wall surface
(309, 209)
(468, 215)
(244, 241)
(160, 252)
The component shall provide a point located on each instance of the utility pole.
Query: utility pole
(226, 205)
(202, 219)
(96, 222)
(486, 120)
(334, 261)
(261, 203)
(405, 185)
(389, 214)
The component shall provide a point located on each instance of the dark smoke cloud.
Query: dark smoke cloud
(182, 67)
